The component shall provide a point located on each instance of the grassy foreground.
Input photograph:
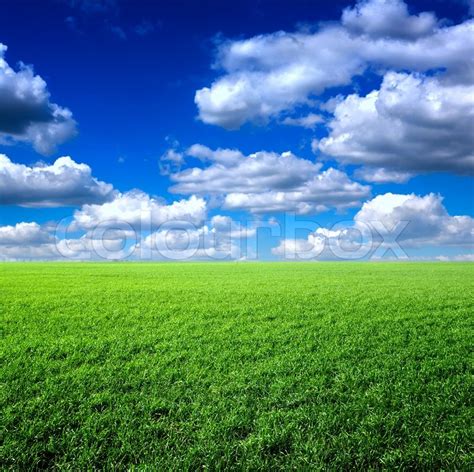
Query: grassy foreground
(245, 366)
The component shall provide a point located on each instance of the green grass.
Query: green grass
(245, 366)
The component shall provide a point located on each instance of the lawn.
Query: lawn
(245, 366)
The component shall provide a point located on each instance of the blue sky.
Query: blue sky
(142, 81)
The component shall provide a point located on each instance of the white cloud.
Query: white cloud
(271, 73)
(316, 245)
(382, 176)
(456, 258)
(138, 209)
(26, 252)
(425, 223)
(309, 121)
(23, 234)
(309, 248)
(267, 182)
(328, 189)
(412, 123)
(222, 238)
(231, 171)
(81, 248)
(27, 241)
(63, 183)
(30, 241)
(26, 113)
(464, 258)
(98, 229)
(388, 18)
(429, 223)
(226, 157)
(87, 248)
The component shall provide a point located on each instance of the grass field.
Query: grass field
(245, 366)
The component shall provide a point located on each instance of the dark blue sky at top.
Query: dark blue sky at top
(130, 92)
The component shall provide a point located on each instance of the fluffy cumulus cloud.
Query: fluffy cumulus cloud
(382, 176)
(231, 171)
(268, 74)
(27, 241)
(112, 230)
(26, 112)
(29, 252)
(90, 248)
(31, 241)
(328, 189)
(388, 18)
(388, 221)
(64, 183)
(24, 233)
(108, 224)
(140, 211)
(428, 221)
(267, 182)
(222, 238)
(412, 123)
(318, 245)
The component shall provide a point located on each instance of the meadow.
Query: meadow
(236, 366)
